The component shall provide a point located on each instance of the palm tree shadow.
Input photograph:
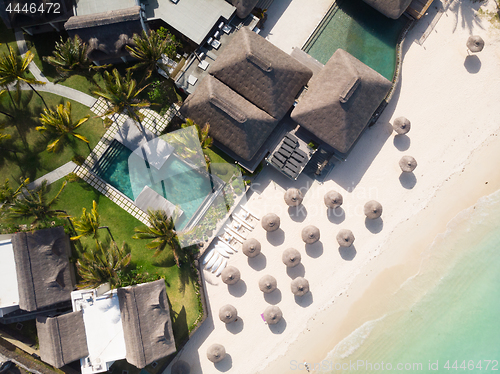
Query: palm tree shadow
(465, 13)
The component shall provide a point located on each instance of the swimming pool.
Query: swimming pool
(360, 30)
(175, 180)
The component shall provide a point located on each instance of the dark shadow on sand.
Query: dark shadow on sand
(473, 64)
(408, 180)
(374, 225)
(336, 215)
(274, 297)
(235, 327)
(238, 289)
(314, 250)
(296, 271)
(347, 253)
(279, 327)
(258, 262)
(297, 213)
(402, 142)
(305, 300)
(276, 238)
(226, 364)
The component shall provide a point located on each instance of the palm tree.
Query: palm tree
(89, 224)
(121, 93)
(35, 204)
(1, 111)
(70, 57)
(149, 50)
(161, 230)
(8, 194)
(14, 70)
(59, 123)
(102, 264)
(204, 139)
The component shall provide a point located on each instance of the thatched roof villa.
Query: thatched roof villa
(107, 33)
(249, 89)
(340, 101)
(131, 323)
(390, 8)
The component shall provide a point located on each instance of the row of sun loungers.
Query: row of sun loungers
(289, 158)
(234, 234)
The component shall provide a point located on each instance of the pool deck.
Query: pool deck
(290, 22)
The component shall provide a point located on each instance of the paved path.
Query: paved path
(57, 89)
(54, 175)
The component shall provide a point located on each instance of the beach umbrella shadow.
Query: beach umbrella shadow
(408, 180)
(472, 64)
(314, 250)
(348, 253)
(226, 364)
(276, 238)
(336, 215)
(374, 225)
(296, 271)
(236, 326)
(279, 327)
(274, 297)
(297, 213)
(402, 142)
(305, 300)
(238, 289)
(258, 262)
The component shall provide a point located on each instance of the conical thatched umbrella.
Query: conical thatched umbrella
(272, 315)
(345, 238)
(251, 247)
(407, 164)
(267, 283)
(180, 367)
(230, 275)
(293, 197)
(216, 353)
(401, 125)
(270, 222)
(300, 286)
(228, 313)
(291, 257)
(475, 43)
(310, 234)
(333, 199)
(373, 209)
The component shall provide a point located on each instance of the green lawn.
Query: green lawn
(181, 283)
(31, 158)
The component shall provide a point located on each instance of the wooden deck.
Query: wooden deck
(417, 8)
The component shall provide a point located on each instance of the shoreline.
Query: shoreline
(386, 273)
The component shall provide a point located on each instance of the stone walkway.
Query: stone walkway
(54, 175)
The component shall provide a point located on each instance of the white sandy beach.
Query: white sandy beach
(452, 101)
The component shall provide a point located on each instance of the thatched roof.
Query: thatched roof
(261, 72)
(42, 267)
(16, 19)
(340, 100)
(106, 33)
(234, 122)
(244, 7)
(62, 339)
(146, 323)
(390, 8)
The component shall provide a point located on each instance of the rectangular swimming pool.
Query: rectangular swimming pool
(175, 180)
(359, 29)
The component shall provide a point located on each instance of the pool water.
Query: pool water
(359, 29)
(176, 181)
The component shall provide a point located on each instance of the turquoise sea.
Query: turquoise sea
(446, 319)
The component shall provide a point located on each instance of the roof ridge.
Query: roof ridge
(230, 109)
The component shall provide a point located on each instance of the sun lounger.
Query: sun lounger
(224, 248)
(279, 164)
(289, 142)
(280, 157)
(291, 137)
(292, 166)
(287, 148)
(222, 251)
(243, 222)
(208, 256)
(221, 267)
(235, 233)
(249, 212)
(212, 261)
(217, 263)
(293, 162)
(284, 152)
(290, 172)
(229, 246)
(297, 156)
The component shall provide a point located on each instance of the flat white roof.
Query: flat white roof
(9, 295)
(192, 18)
(103, 329)
(84, 7)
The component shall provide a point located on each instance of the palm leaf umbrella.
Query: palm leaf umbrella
(291, 257)
(333, 199)
(272, 315)
(216, 353)
(300, 286)
(230, 275)
(180, 367)
(475, 43)
(251, 247)
(401, 125)
(407, 164)
(228, 313)
(373, 209)
(293, 197)
(267, 283)
(345, 238)
(310, 234)
(270, 222)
